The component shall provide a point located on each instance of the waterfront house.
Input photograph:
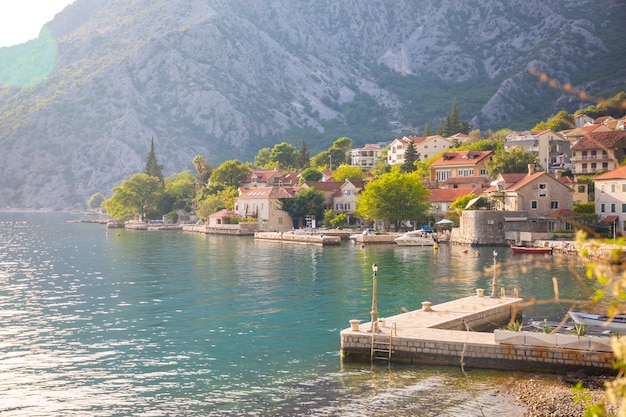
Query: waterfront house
(345, 199)
(599, 151)
(330, 189)
(610, 198)
(264, 204)
(222, 217)
(581, 189)
(538, 193)
(461, 169)
(426, 146)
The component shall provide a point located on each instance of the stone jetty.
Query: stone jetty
(449, 334)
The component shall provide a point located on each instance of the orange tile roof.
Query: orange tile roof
(450, 194)
(602, 140)
(616, 174)
(461, 158)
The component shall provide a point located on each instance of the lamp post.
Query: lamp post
(330, 162)
(374, 306)
(494, 281)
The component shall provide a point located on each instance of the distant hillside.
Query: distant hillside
(225, 78)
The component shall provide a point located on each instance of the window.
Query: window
(542, 190)
(623, 208)
(602, 208)
(581, 188)
(612, 207)
(602, 188)
(612, 188)
(554, 205)
(483, 171)
(443, 175)
(533, 204)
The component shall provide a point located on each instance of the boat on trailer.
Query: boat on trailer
(524, 249)
(617, 323)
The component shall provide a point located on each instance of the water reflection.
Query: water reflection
(147, 323)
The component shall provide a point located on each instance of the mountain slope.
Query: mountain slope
(225, 78)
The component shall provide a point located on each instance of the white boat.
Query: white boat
(617, 323)
(365, 232)
(416, 238)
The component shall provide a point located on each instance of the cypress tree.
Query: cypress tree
(410, 156)
(152, 165)
(303, 160)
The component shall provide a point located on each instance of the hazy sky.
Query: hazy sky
(21, 20)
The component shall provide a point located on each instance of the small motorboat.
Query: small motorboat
(419, 237)
(524, 249)
(617, 323)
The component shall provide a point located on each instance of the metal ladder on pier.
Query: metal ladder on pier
(382, 344)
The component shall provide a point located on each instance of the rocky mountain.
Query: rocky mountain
(223, 78)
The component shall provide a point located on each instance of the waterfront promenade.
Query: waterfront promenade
(449, 334)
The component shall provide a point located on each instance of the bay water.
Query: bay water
(110, 322)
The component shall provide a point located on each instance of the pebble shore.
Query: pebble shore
(551, 395)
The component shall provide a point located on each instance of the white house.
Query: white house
(426, 146)
(610, 198)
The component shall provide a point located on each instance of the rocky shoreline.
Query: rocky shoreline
(552, 396)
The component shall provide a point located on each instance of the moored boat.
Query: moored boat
(617, 323)
(419, 237)
(524, 249)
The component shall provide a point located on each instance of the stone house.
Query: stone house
(264, 204)
(610, 198)
(461, 169)
(426, 146)
(599, 151)
(537, 193)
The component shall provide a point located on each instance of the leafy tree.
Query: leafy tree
(516, 160)
(332, 220)
(182, 188)
(230, 174)
(208, 206)
(394, 197)
(307, 202)
(95, 201)
(335, 155)
(303, 160)
(410, 157)
(311, 174)
(321, 160)
(561, 121)
(460, 203)
(135, 196)
(613, 107)
(152, 165)
(262, 158)
(349, 172)
(284, 155)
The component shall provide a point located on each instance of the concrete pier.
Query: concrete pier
(447, 334)
(309, 239)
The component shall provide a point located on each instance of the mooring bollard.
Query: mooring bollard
(354, 325)
(480, 292)
(427, 306)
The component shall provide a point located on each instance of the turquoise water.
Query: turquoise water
(119, 323)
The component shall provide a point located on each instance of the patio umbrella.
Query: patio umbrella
(444, 221)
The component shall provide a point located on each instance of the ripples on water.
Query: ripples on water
(167, 323)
